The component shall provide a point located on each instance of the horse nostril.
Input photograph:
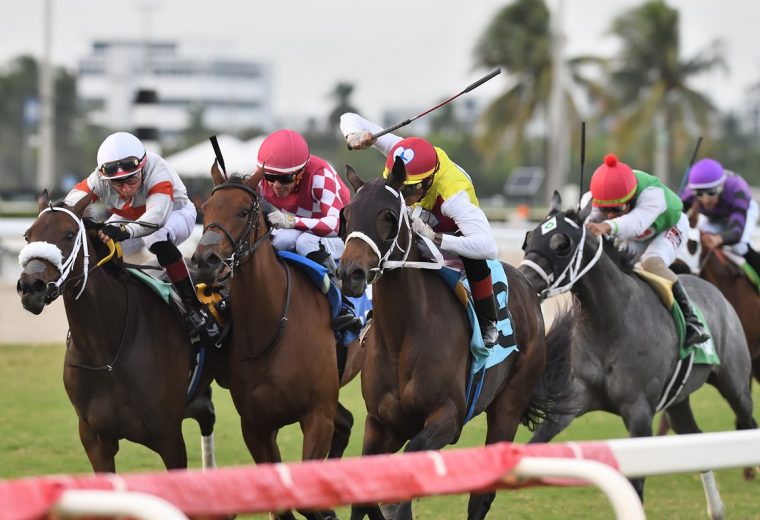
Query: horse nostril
(358, 276)
(213, 261)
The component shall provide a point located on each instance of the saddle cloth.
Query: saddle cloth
(704, 353)
(483, 357)
(318, 274)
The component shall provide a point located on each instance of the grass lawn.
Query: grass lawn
(38, 435)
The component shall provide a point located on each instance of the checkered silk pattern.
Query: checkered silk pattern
(317, 201)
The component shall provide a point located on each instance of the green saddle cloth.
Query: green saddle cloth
(704, 353)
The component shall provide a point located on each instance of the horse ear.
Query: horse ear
(354, 180)
(43, 199)
(254, 180)
(584, 210)
(216, 173)
(80, 206)
(555, 204)
(398, 173)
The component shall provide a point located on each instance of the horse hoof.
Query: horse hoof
(749, 473)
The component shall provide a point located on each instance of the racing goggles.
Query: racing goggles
(417, 187)
(709, 192)
(128, 165)
(282, 178)
(615, 210)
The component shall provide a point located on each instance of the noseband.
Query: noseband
(242, 248)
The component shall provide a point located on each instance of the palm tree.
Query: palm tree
(341, 93)
(649, 86)
(519, 39)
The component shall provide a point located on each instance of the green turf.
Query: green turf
(38, 435)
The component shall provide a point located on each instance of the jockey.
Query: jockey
(308, 195)
(451, 217)
(140, 186)
(639, 209)
(725, 199)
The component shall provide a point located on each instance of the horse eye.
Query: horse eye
(70, 236)
(560, 244)
(244, 213)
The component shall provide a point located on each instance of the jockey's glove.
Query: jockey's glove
(282, 220)
(115, 232)
(360, 140)
(423, 229)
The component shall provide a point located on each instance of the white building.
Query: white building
(231, 95)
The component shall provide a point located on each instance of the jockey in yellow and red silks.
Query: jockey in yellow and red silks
(449, 205)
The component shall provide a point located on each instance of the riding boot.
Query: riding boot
(487, 313)
(198, 321)
(753, 259)
(695, 332)
(346, 318)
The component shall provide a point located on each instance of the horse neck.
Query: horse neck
(104, 296)
(258, 289)
(599, 290)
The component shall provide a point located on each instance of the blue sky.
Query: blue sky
(398, 53)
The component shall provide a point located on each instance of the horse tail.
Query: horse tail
(554, 386)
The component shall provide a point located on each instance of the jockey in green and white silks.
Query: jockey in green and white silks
(647, 216)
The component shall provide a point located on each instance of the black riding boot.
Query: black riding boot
(753, 259)
(487, 316)
(695, 333)
(479, 276)
(198, 321)
(347, 318)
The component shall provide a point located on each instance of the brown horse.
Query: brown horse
(415, 373)
(282, 365)
(128, 357)
(714, 266)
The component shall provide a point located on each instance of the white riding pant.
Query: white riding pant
(178, 228)
(303, 242)
(742, 246)
(665, 245)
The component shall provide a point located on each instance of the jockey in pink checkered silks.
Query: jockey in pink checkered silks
(308, 195)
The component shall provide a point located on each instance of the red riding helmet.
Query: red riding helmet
(283, 151)
(613, 183)
(419, 156)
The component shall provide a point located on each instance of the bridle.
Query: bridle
(242, 248)
(54, 255)
(572, 272)
(383, 260)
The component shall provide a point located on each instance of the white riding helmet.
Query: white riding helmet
(121, 155)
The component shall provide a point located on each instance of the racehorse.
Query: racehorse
(717, 268)
(414, 377)
(625, 346)
(282, 365)
(128, 357)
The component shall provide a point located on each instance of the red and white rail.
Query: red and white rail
(392, 478)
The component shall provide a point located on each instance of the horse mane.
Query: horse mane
(621, 256)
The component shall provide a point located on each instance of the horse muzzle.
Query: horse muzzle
(353, 279)
(33, 292)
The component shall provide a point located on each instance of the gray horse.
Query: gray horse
(625, 342)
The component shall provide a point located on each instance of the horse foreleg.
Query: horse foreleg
(377, 439)
(637, 416)
(344, 421)
(100, 450)
(172, 450)
(317, 429)
(202, 410)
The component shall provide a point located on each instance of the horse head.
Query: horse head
(232, 220)
(371, 226)
(554, 250)
(54, 241)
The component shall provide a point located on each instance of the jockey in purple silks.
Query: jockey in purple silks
(726, 200)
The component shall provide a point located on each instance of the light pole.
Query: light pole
(47, 104)
(558, 150)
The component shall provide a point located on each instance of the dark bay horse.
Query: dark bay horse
(128, 356)
(418, 359)
(282, 365)
(715, 266)
(625, 344)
